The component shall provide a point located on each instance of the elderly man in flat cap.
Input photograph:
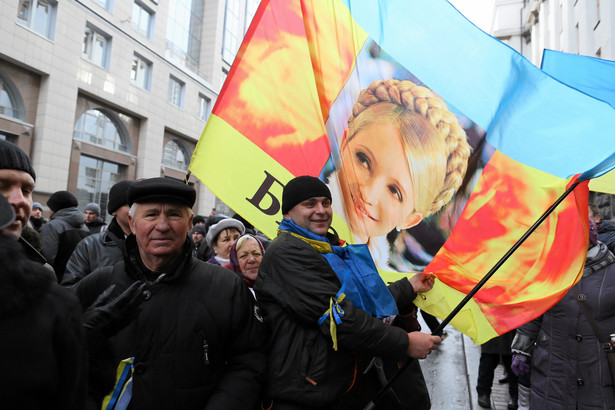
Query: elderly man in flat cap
(197, 342)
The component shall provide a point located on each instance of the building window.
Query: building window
(141, 72)
(96, 127)
(8, 105)
(96, 46)
(204, 107)
(184, 28)
(96, 177)
(175, 155)
(231, 30)
(105, 4)
(237, 18)
(142, 19)
(176, 92)
(251, 7)
(38, 15)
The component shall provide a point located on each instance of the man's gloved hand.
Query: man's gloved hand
(110, 316)
(520, 364)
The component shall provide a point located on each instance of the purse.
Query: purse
(605, 343)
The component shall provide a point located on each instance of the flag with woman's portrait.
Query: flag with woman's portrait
(441, 147)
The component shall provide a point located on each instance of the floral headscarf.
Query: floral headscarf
(234, 262)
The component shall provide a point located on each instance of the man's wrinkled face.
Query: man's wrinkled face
(160, 229)
(89, 216)
(37, 213)
(17, 187)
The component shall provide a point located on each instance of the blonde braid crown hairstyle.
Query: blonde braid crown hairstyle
(410, 98)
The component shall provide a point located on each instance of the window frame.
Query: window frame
(28, 16)
(179, 146)
(143, 9)
(87, 47)
(171, 92)
(204, 107)
(144, 83)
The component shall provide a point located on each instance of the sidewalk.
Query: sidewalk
(451, 373)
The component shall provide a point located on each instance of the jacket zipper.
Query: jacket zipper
(206, 352)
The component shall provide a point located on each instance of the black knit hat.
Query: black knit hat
(198, 219)
(301, 188)
(161, 190)
(13, 157)
(60, 200)
(118, 196)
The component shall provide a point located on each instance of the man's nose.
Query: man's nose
(320, 208)
(163, 223)
(16, 198)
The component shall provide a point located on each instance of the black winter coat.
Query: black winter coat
(196, 343)
(569, 368)
(101, 249)
(60, 236)
(293, 289)
(42, 343)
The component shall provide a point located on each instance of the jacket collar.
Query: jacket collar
(137, 270)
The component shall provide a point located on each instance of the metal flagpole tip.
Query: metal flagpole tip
(7, 215)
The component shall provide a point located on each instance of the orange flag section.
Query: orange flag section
(508, 198)
(306, 49)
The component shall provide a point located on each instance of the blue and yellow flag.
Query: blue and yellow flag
(440, 145)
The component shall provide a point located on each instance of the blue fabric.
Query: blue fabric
(529, 116)
(590, 75)
(357, 272)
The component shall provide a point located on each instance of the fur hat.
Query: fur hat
(93, 207)
(227, 223)
(61, 200)
(13, 157)
(301, 188)
(161, 190)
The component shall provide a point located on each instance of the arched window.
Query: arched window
(10, 100)
(175, 155)
(96, 127)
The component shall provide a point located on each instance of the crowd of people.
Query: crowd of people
(163, 309)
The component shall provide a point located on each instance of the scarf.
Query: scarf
(355, 269)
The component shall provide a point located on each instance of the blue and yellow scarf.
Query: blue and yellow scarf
(355, 268)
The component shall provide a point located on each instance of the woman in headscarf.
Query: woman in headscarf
(245, 257)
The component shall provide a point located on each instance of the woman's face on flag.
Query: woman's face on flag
(375, 181)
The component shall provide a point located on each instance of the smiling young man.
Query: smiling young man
(303, 280)
(196, 342)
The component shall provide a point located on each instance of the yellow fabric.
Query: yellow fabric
(334, 304)
(319, 246)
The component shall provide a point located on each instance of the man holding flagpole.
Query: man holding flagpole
(325, 304)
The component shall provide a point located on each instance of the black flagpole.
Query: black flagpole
(476, 288)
